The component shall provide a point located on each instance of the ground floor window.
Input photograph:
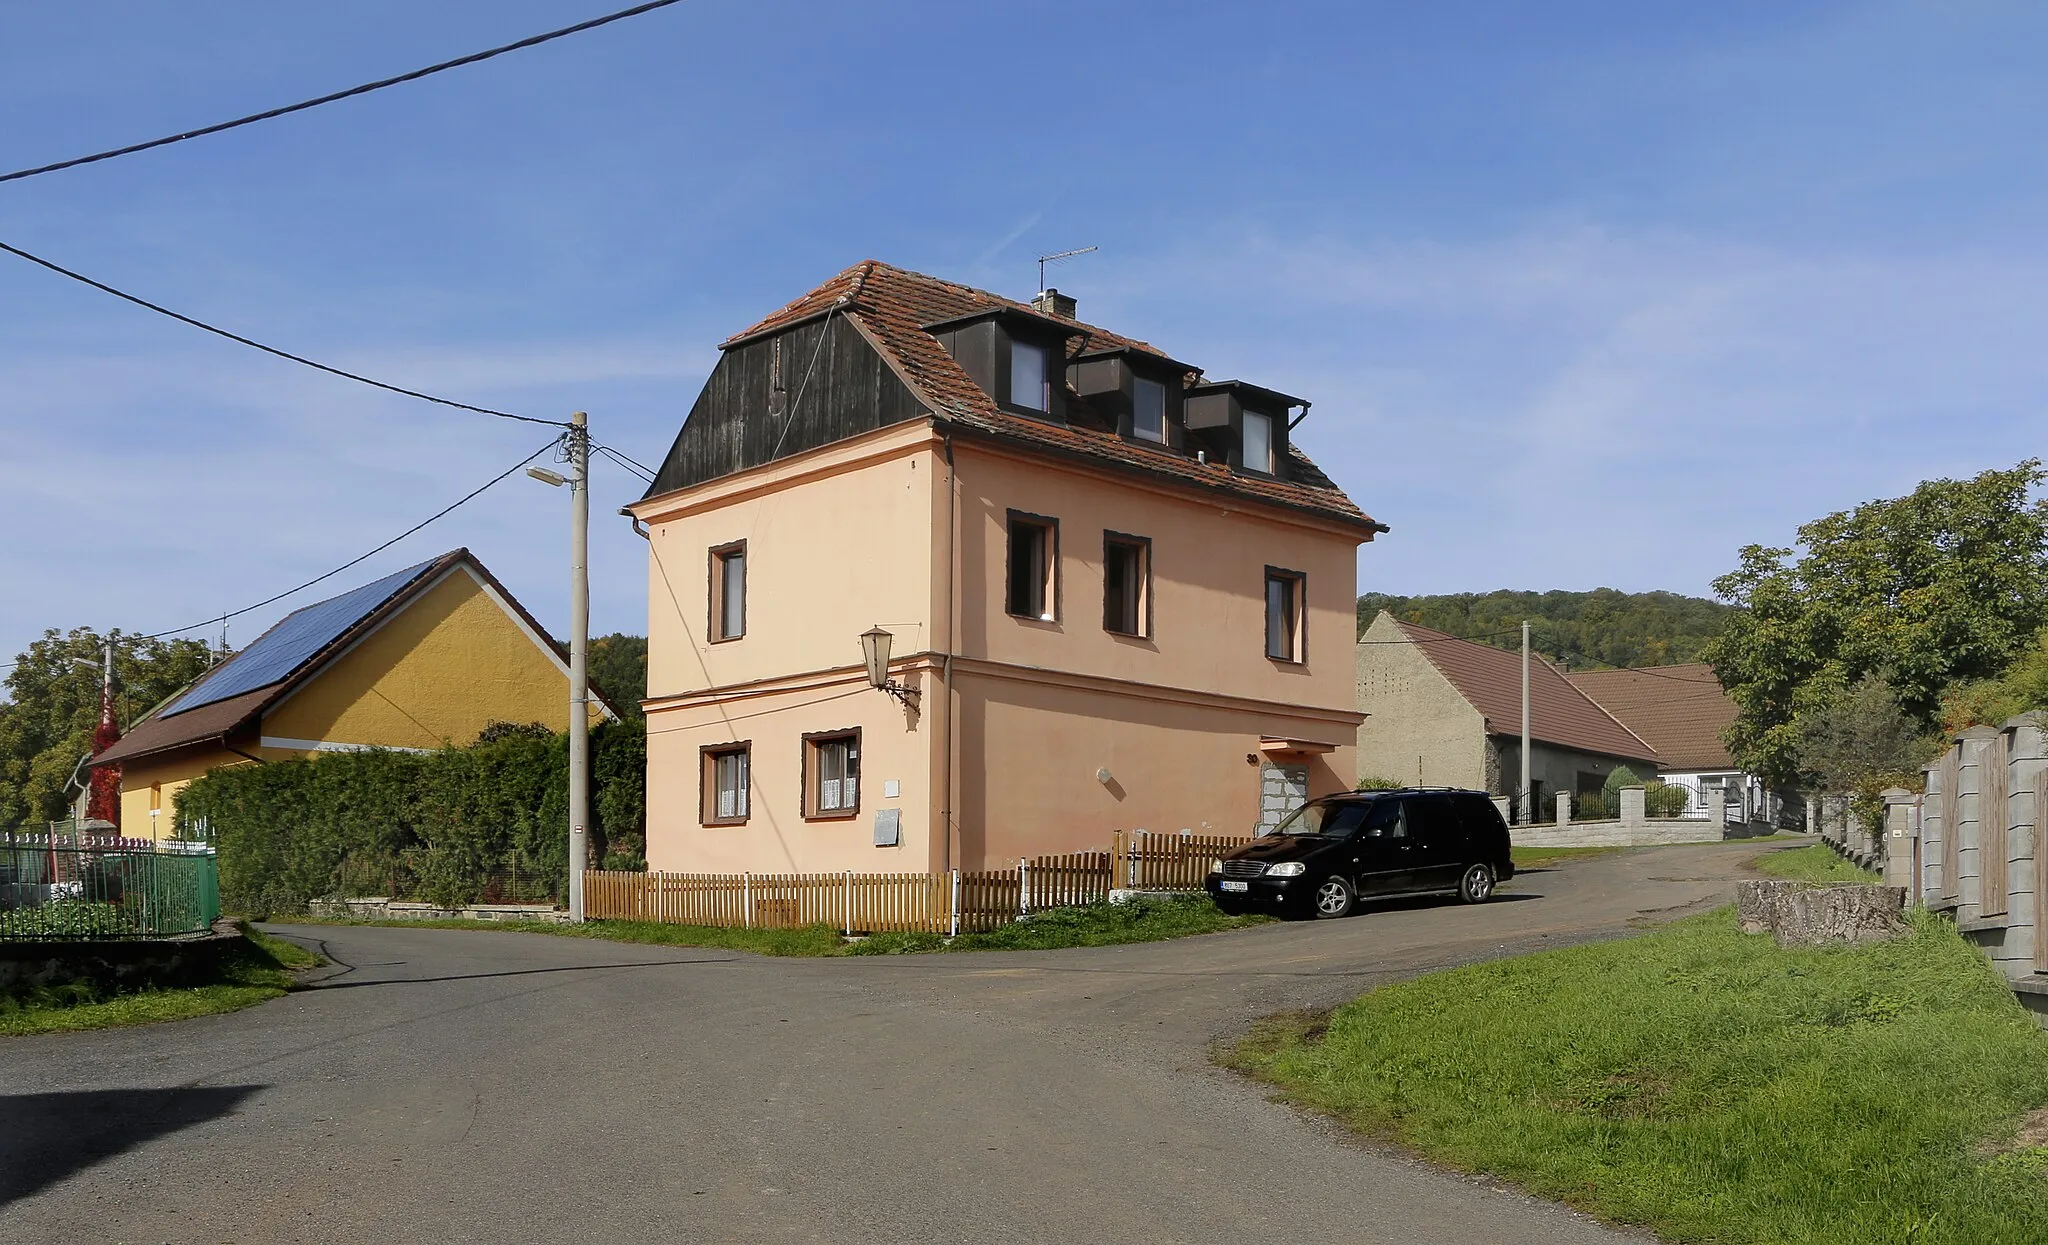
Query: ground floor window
(727, 770)
(832, 774)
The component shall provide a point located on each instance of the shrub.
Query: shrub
(1378, 783)
(360, 823)
(1660, 799)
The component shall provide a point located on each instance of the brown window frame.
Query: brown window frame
(707, 782)
(1297, 648)
(1141, 609)
(1051, 585)
(715, 591)
(811, 774)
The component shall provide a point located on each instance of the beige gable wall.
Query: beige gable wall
(838, 540)
(1417, 729)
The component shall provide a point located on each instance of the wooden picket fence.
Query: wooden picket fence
(939, 903)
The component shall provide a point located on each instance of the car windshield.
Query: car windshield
(1331, 818)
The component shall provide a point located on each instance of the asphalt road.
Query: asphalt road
(449, 1085)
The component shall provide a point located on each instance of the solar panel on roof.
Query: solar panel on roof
(280, 651)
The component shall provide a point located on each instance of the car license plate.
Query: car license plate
(1237, 886)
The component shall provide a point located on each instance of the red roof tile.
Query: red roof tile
(1681, 710)
(1559, 713)
(894, 304)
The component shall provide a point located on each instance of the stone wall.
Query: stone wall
(381, 909)
(1633, 828)
(119, 964)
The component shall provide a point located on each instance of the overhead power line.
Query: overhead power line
(437, 515)
(253, 344)
(364, 89)
(631, 464)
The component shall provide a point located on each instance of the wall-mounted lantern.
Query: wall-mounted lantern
(874, 650)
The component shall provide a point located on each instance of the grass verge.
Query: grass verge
(1817, 863)
(261, 968)
(1094, 925)
(1706, 1084)
(1538, 857)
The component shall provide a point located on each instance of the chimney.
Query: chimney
(1053, 303)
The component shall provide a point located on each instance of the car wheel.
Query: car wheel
(1333, 899)
(1477, 884)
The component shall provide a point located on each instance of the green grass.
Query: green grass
(1705, 1083)
(1095, 925)
(261, 968)
(1538, 857)
(1817, 863)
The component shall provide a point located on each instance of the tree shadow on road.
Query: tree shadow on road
(45, 1138)
(510, 972)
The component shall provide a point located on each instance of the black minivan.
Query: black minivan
(1338, 849)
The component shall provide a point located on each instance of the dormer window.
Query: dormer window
(1258, 442)
(1148, 410)
(1027, 377)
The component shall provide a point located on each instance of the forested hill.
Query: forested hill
(1603, 627)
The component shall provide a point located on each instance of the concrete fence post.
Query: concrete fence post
(1023, 886)
(1901, 841)
(1564, 809)
(1500, 802)
(1632, 815)
(1717, 813)
(1813, 825)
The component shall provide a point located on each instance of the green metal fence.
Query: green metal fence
(69, 887)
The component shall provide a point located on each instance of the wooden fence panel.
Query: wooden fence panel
(989, 899)
(1172, 861)
(1991, 826)
(1067, 881)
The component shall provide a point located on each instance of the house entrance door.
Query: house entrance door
(1282, 789)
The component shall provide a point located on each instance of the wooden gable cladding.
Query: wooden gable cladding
(1992, 819)
(783, 393)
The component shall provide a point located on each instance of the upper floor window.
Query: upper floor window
(1034, 566)
(1028, 387)
(1284, 614)
(1257, 454)
(729, 591)
(1148, 410)
(1126, 584)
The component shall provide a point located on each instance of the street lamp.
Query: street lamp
(874, 650)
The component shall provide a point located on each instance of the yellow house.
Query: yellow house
(417, 660)
(1116, 595)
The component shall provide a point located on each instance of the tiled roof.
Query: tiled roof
(1559, 713)
(1681, 710)
(893, 305)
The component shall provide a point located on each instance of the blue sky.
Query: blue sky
(1584, 293)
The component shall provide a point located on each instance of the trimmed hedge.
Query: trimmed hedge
(348, 823)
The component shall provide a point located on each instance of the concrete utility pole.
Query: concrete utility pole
(1528, 816)
(577, 442)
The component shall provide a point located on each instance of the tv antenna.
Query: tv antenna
(1043, 260)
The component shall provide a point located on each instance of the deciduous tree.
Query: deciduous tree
(1946, 584)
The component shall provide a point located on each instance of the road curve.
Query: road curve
(449, 1085)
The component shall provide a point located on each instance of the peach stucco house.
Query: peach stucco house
(1116, 595)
